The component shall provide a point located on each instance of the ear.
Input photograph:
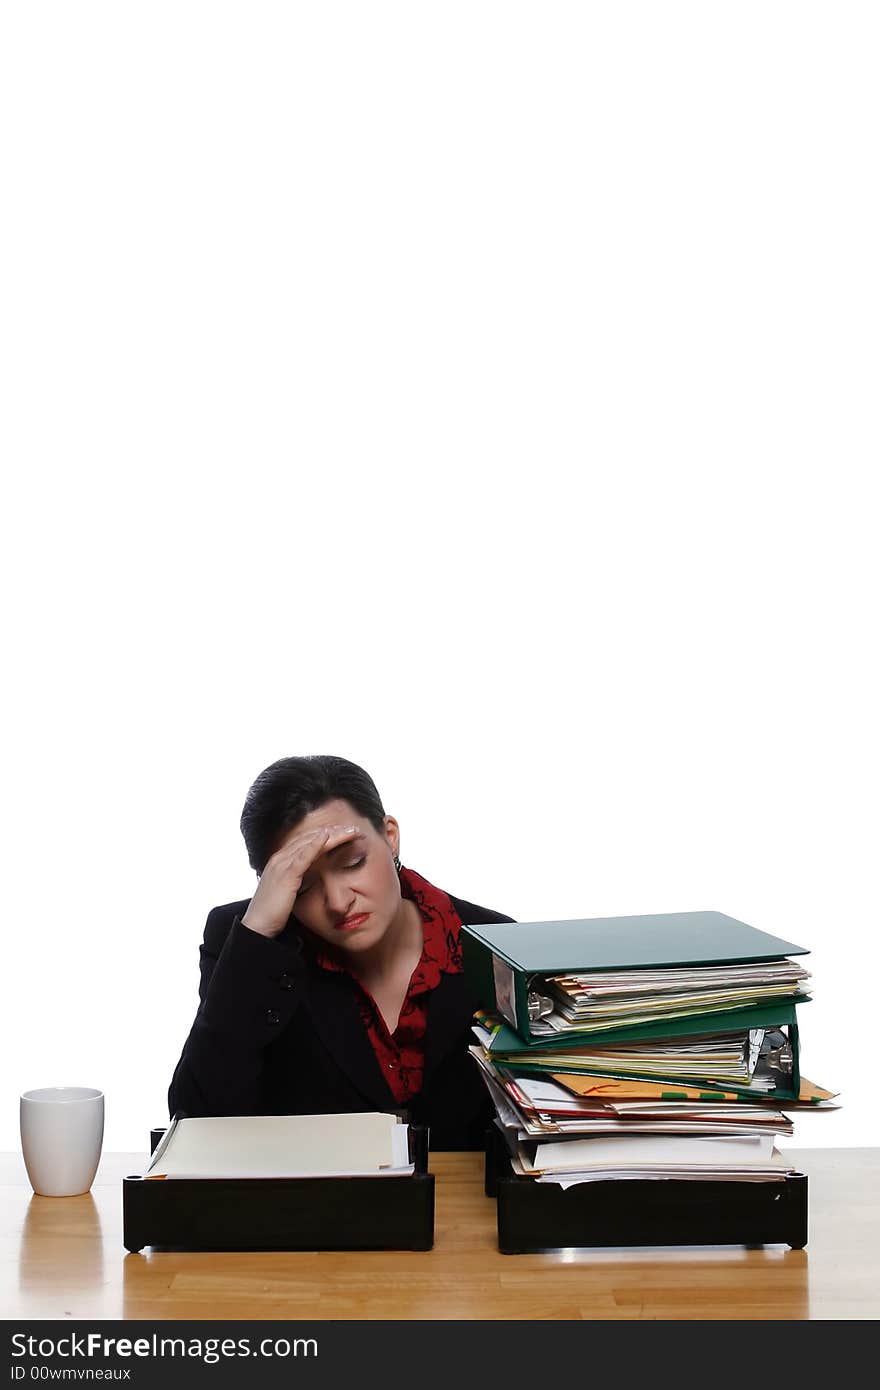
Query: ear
(392, 834)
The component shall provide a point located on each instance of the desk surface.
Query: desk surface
(64, 1258)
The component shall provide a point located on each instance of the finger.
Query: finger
(344, 832)
(298, 843)
(337, 837)
(310, 843)
(315, 842)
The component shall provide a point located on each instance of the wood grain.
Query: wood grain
(64, 1258)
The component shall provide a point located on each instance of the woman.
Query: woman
(338, 986)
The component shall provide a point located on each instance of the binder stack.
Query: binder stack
(641, 1065)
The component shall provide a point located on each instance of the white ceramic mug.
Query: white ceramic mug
(62, 1129)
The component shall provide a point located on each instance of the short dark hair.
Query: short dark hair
(290, 788)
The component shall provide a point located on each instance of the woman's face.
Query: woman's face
(357, 877)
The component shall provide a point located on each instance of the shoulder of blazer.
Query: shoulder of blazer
(471, 913)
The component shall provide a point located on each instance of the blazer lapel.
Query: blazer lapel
(333, 1004)
(450, 1011)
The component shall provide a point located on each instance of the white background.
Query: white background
(485, 392)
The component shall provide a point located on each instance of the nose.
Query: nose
(339, 898)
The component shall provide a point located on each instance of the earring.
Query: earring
(397, 863)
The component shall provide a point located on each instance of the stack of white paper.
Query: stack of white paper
(283, 1146)
(733, 1159)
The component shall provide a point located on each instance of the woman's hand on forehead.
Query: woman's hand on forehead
(280, 882)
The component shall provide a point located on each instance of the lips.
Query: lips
(351, 922)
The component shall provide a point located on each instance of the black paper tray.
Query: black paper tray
(535, 1217)
(283, 1213)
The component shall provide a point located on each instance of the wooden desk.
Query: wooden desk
(64, 1258)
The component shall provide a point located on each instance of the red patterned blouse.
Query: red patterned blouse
(401, 1054)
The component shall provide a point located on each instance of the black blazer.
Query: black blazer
(275, 1034)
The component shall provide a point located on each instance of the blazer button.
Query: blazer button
(273, 1016)
(286, 981)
